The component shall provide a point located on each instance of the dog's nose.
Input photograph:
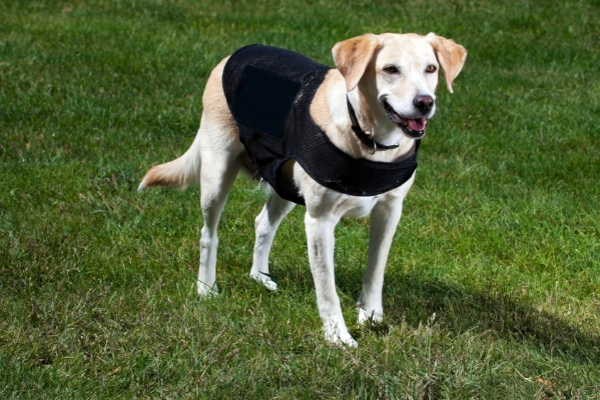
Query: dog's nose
(423, 103)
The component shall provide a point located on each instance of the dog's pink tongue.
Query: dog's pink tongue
(417, 124)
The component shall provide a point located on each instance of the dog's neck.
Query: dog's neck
(374, 121)
(366, 137)
(330, 111)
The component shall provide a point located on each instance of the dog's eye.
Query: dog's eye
(431, 69)
(390, 69)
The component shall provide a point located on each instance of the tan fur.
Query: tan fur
(452, 57)
(185, 170)
(215, 104)
(322, 115)
(352, 57)
(167, 175)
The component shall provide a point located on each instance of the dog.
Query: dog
(373, 107)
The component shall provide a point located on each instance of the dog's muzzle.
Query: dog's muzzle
(413, 127)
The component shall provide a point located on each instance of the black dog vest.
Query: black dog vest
(269, 92)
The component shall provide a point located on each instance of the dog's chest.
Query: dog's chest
(346, 206)
(358, 207)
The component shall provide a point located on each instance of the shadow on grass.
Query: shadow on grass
(415, 299)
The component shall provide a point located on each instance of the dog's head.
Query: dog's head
(398, 74)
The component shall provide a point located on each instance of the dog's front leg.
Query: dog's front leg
(321, 241)
(384, 219)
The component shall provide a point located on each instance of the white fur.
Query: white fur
(217, 155)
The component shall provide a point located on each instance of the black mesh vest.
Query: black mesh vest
(269, 92)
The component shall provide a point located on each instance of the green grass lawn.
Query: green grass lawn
(492, 287)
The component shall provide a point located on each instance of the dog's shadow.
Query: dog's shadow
(414, 299)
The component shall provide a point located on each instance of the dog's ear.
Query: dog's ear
(352, 57)
(451, 56)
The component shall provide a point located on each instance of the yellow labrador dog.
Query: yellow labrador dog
(373, 107)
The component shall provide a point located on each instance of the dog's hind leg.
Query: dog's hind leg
(219, 170)
(266, 225)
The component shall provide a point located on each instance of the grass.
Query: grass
(492, 283)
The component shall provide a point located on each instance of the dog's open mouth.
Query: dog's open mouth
(414, 128)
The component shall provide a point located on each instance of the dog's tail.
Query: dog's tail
(179, 173)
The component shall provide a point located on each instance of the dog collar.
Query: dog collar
(364, 136)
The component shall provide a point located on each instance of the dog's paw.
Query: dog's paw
(338, 334)
(349, 341)
(369, 318)
(207, 291)
(341, 339)
(265, 280)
